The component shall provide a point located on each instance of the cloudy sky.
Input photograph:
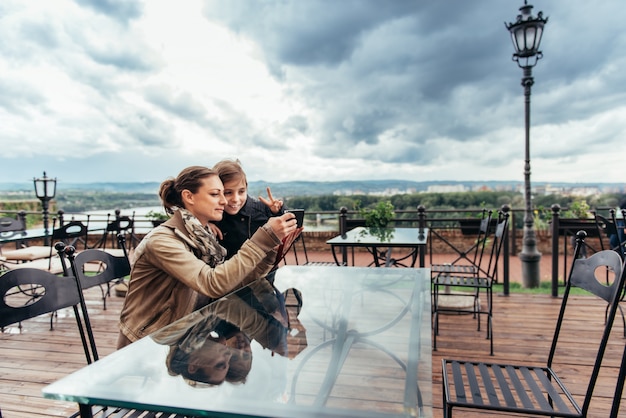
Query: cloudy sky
(117, 90)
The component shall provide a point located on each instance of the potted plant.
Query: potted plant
(157, 218)
(377, 218)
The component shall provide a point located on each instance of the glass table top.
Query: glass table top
(323, 341)
(397, 237)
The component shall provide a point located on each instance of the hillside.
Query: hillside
(307, 188)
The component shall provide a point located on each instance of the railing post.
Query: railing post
(505, 249)
(21, 215)
(421, 216)
(60, 216)
(513, 223)
(343, 213)
(555, 249)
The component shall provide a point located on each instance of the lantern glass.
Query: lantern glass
(45, 187)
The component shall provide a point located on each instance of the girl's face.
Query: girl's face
(208, 203)
(236, 193)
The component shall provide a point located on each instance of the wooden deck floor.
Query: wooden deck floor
(34, 356)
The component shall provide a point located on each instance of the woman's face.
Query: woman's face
(208, 203)
(236, 193)
(213, 359)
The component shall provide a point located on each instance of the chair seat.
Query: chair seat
(506, 388)
(454, 269)
(51, 265)
(464, 281)
(35, 252)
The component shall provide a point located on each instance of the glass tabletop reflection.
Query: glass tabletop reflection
(320, 340)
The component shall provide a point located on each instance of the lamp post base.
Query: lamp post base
(530, 269)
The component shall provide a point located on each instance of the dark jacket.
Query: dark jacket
(238, 228)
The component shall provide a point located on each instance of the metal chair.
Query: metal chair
(610, 228)
(95, 267)
(468, 261)
(44, 257)
(27, 293)
(482, 279)
(10, 227)
(532, 389)
(122, 224)
(306, 262)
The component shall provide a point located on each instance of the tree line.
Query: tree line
(452, 201)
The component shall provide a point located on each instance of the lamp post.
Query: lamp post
(45, 189)
(526, 34)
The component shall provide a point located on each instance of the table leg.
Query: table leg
(85, 410)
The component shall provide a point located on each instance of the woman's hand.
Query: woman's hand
(275, 205)
(283, 225)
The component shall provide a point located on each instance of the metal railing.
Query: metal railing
(343, 219)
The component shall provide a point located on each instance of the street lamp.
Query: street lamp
(45, 189)
(526, 34)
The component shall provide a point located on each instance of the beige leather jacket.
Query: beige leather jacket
(167, 276)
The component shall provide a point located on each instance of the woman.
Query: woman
(179, 266)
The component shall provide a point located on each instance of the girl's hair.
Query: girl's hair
(190, 179)
(230, 170)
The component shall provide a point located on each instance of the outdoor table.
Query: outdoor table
(358, 345)
(373, 239)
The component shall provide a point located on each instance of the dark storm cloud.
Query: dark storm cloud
(405, 73)
(392, 63)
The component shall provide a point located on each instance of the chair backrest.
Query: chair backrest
(611, 229)
(583, 274)
(484, 229)
(110, 267)
(11, 226)
(122, 224)
(30, 292)
(70, 233)
(497, 242)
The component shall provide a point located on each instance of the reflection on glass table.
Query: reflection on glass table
(323, 341)
(380, 242)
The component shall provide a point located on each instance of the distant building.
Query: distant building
(447, 188)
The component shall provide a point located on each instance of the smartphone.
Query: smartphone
(299, 216)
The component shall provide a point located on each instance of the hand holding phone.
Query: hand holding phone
(299, 216)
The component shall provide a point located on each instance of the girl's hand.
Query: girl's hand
(216, 231)
(275, 205)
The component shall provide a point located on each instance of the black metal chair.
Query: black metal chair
(10, 227)
(610, 229)
(95, 267)
(300, 242)
(122, 224)
(473, 283)
(468, 261)
(532, 389)
(27, 293)
(71, 233)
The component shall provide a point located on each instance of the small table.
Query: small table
(373, 239)
(358, 345)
